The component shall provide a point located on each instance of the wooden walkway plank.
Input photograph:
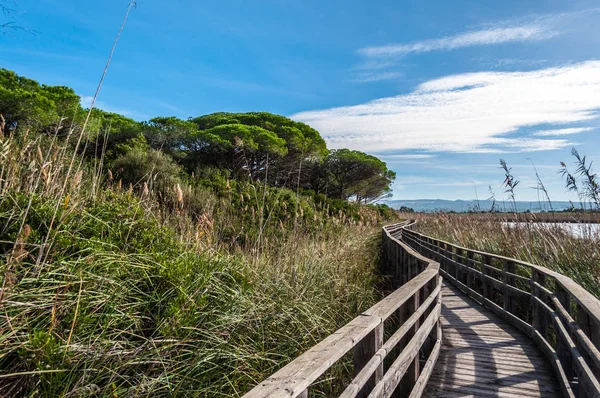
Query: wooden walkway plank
(484, 356)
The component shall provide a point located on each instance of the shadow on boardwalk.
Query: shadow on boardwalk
(484, 356)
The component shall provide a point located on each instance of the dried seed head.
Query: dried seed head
(77, 180)
(46, 177)
(40, 155)
(179, 193)
(110, 175)
(145, 191)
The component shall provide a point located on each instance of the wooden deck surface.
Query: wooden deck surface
(484, 356)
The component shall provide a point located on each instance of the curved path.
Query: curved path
(494, 327)
(484, 356)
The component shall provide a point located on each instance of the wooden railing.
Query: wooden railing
(399, 365)
(561, 317)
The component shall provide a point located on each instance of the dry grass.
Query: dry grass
(109, 291)
(550, 247)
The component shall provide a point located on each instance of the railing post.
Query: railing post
(460, 272)
(442, 251)
(363, 352)
(563, 297)
(470, 268)
(453, 256)
(432, 339)
(429, 243)
(412, 374)
(486, 260)
(538, 319)
(421, 248)
(448, 260)
(589, 327)
(562, 349)
(406, 271)
(385, 249)
(449, 264)
(439, 254)
(592, 330)
(398, 266)
(508, 280)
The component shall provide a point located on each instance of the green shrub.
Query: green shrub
(154, 168)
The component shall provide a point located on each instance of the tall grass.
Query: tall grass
(549, 245)
(131, 292)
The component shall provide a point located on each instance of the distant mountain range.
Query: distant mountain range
(461, 206)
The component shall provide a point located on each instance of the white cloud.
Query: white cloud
(467, 112)
(533, 31)
(534, 28)
(368, 77)
(551, 133)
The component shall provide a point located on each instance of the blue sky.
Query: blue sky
(438, 89)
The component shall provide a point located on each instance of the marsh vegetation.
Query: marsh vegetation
(172, 258)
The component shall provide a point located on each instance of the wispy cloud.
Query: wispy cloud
(368, 77)
(86, 102)
(381, 62)
(533, 31)
(552, 133)
(471, 112)
(534, 28)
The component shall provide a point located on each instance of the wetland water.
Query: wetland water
(578, 230)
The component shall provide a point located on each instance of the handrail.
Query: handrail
(412, 310)
(558, 314)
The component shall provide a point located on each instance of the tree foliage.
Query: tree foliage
(24, 102)
(169, 134)
(255, 146)
(291, 147)
(354, 174)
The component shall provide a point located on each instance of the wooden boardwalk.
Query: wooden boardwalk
(537, 333)
(484, 356)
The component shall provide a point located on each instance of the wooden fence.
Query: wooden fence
(394, 345)
(558, 314)
(561, 317)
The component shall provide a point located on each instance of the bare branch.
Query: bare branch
(11, 25)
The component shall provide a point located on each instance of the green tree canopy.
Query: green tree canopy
(354, 174)
(298, 136)
(114, 134)
(24, 102)
(303, 146)
(237, 147)
(169, 134)
(259, 145)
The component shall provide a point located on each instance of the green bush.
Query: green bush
(154, 168)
